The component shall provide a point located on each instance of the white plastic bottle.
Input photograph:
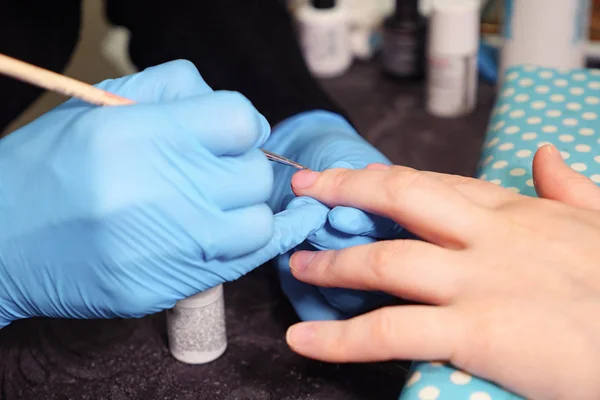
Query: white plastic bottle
(547, 33)
(452, 58)
(324, 37)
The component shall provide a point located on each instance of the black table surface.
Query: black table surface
(129, 359)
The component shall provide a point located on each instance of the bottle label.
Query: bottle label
(452, 84)
(324, 46)
(401, 55)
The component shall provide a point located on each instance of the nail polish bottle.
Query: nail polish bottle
(404, 39)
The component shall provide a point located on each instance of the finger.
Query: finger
(225, 123)
(307, 300)
(391, 333)
(238, 232)
(485, 194)
(555, 180)
(243, 180)
(291, 228)
(353, 221)
(329, 238)
(421, 204)
(169, 81)
(408, 269)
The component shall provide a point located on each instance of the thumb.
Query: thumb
(555, 180)
(173, 80)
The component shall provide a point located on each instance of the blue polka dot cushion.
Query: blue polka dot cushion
(535, 106)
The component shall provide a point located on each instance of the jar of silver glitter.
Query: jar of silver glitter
(196, 327)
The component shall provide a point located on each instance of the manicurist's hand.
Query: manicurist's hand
(507, 287)
(122, 211)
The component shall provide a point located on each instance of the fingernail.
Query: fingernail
(301, 335)
(300, 260)
(552, 150)
(304, 179)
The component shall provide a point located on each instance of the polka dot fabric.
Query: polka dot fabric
(437, 381)
(536, 106)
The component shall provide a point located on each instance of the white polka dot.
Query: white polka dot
(514, 189)
(590, 115)
(553, 113)
(538, 105)
(503, 109)
(583, 148)
(529, 136)
(460, 378)
(512, 76)
(517, 114)
(483, 177)
(565, 155)
(595, 178)
(429, 393)
(592, 100)
(534, 120)
(508, 92)
(579, 77)
(496, 181)
(540, 144)
(436, 364)
(487, 160)
(546, 74)
(526, 82)
(529, 182)
(518, 172)
(521, 98)
(579, 167)
(597, 159)
(557, 98)
(574, 106)
(594, 85)
(512, 130)
(549, 129)
(414, 378)
(500, 164)
(566, 138)
(493, 142)
(586, 131)
(561, 82)
(563, 70)
(570, 122)
(480, 396)
(529, 68)
(542, 89)
(595, 72)
(498, 126)
(577, 91)
(506, 146)
(523, 153)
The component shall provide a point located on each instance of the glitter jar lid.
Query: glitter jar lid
(202, 299)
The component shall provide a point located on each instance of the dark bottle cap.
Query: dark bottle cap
(406, 10)
(323, 4)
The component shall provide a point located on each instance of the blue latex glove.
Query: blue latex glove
(322, 140)
(122, 211)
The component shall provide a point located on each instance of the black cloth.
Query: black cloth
(243, 45)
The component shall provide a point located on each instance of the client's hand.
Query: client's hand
(510, 284)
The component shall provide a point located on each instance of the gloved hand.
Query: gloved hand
(320, 140)
(122, 211)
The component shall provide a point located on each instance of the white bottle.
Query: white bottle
(324, 38)
(196, 327)
(547, 33)
(452, 58)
